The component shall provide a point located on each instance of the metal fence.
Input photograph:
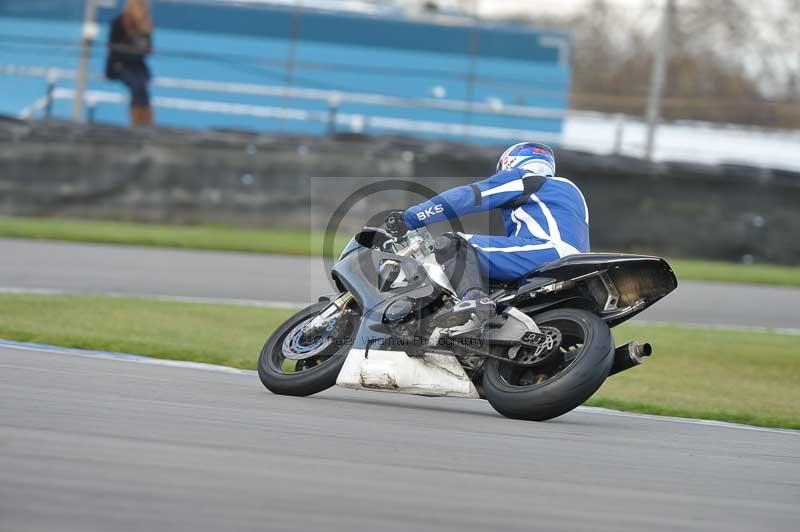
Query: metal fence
(586, 131)
(333, 117)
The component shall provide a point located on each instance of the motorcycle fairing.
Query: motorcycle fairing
(394, 371)
(375, 361)
(359, 271)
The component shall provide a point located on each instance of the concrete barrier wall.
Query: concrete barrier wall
(176, 176)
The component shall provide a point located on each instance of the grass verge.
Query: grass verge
(730, 375)
(302, 242)
(217, 334)
(729, 272)
(746, 377)
(209, 237)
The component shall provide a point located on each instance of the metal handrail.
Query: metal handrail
(356, 122)
(332, 97)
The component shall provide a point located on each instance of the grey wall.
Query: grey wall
(176, 176)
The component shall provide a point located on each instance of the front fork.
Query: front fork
(322, 321)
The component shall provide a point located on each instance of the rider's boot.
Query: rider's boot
(476, 304)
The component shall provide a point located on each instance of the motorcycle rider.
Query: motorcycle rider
(545, 218)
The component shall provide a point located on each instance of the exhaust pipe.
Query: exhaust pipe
(630, 355)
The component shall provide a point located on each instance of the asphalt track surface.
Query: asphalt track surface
(27, 264)
(102, 445)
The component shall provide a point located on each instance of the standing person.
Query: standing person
(129, 42)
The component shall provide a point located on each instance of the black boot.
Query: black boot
(476, 304)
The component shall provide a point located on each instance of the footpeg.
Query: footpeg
(479, 309)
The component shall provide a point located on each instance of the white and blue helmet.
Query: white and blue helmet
(532, 157)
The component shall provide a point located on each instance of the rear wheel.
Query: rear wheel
(291, 364)
(565, 378)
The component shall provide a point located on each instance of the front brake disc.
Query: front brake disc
(296, 346)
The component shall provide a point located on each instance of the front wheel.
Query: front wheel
(289, 364)
(569, 375)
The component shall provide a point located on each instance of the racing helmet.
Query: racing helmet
(532, 157)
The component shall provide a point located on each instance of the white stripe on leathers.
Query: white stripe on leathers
(519, 216)
(512, 186)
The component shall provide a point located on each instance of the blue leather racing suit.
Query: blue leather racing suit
(545, 218)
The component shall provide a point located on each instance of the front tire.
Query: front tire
(571, 376)
(284, 376)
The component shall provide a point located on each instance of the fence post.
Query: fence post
(52, 77)
(91, 106)
(88, 35)
(658, 78)
(333, 109)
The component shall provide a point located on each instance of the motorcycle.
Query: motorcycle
(548, 349)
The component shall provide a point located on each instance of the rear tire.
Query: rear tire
(298, 383)
(566, 389)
